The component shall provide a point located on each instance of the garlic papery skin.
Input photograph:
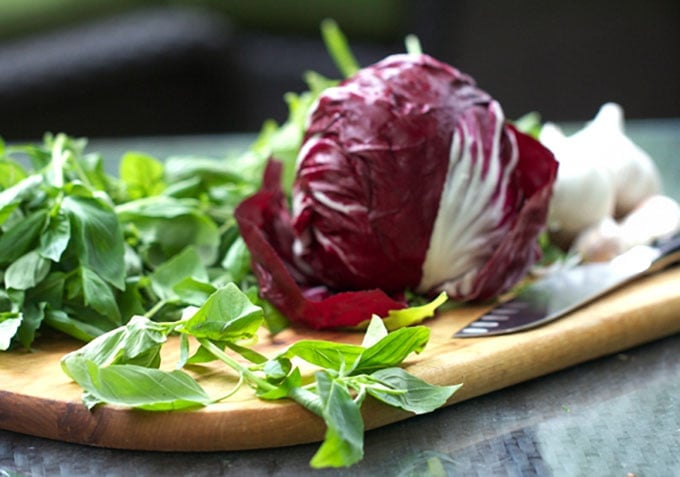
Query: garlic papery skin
(583, 193)
(633, 171)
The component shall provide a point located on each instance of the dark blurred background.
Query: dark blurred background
(111, 68)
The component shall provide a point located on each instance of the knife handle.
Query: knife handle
(669, 252)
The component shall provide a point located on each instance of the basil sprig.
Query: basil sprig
(123, 367)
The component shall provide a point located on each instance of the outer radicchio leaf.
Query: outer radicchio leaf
(264, 222)
(409, 177)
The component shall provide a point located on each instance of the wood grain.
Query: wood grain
(37, 398)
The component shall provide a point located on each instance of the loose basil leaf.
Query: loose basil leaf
(344, 441)
(419, 397)
(290, 388)
(393, 349)
(227, 315)
(137, 386)
(9, 324)
(325, 354)
(139, 342)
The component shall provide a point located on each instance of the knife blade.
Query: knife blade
(565, 290)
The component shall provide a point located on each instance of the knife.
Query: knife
(565, 290)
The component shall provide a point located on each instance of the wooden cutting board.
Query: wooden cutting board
(37, 398)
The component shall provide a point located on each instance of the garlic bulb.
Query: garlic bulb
(602, 174)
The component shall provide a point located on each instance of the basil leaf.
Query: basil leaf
(9, 324)
(418, 397)
(11, 173)
(18, 240)
(27, 271)
(326, 354)
(344, 440)
(185, 264)
(193, 292)
(237, 260)
(228, 315)
(33, 315)
(136, 386)
(17, 192)
(7, 210)
(61, 321)
(290, 388)
(97, 237)
(142, 175)
(98, 294)
(56, 236)
(139, 342)
(393, 349)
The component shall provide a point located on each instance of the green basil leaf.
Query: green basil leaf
(185, 264)
(325, 354)
(50, 290)
(138, 342)
(343, 443)
(98, 238)
(248, 353)
(192, 291)
(9, 324)
(56, 236)
(228, 315)
(237, 260)
(21, 190)
(393, 349)
(11, 173)
(98, 294)
(173, 225)
(290, 388)
(27, 271)
(418, 397)
(33, 315)
(18, 240)
(61, 321)
(138, 387)
(142, 175)
(7, 210)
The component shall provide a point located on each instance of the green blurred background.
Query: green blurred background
(111, 68)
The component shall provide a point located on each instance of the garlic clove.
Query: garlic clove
(583, 193)
(600, 242)
(656, 217)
